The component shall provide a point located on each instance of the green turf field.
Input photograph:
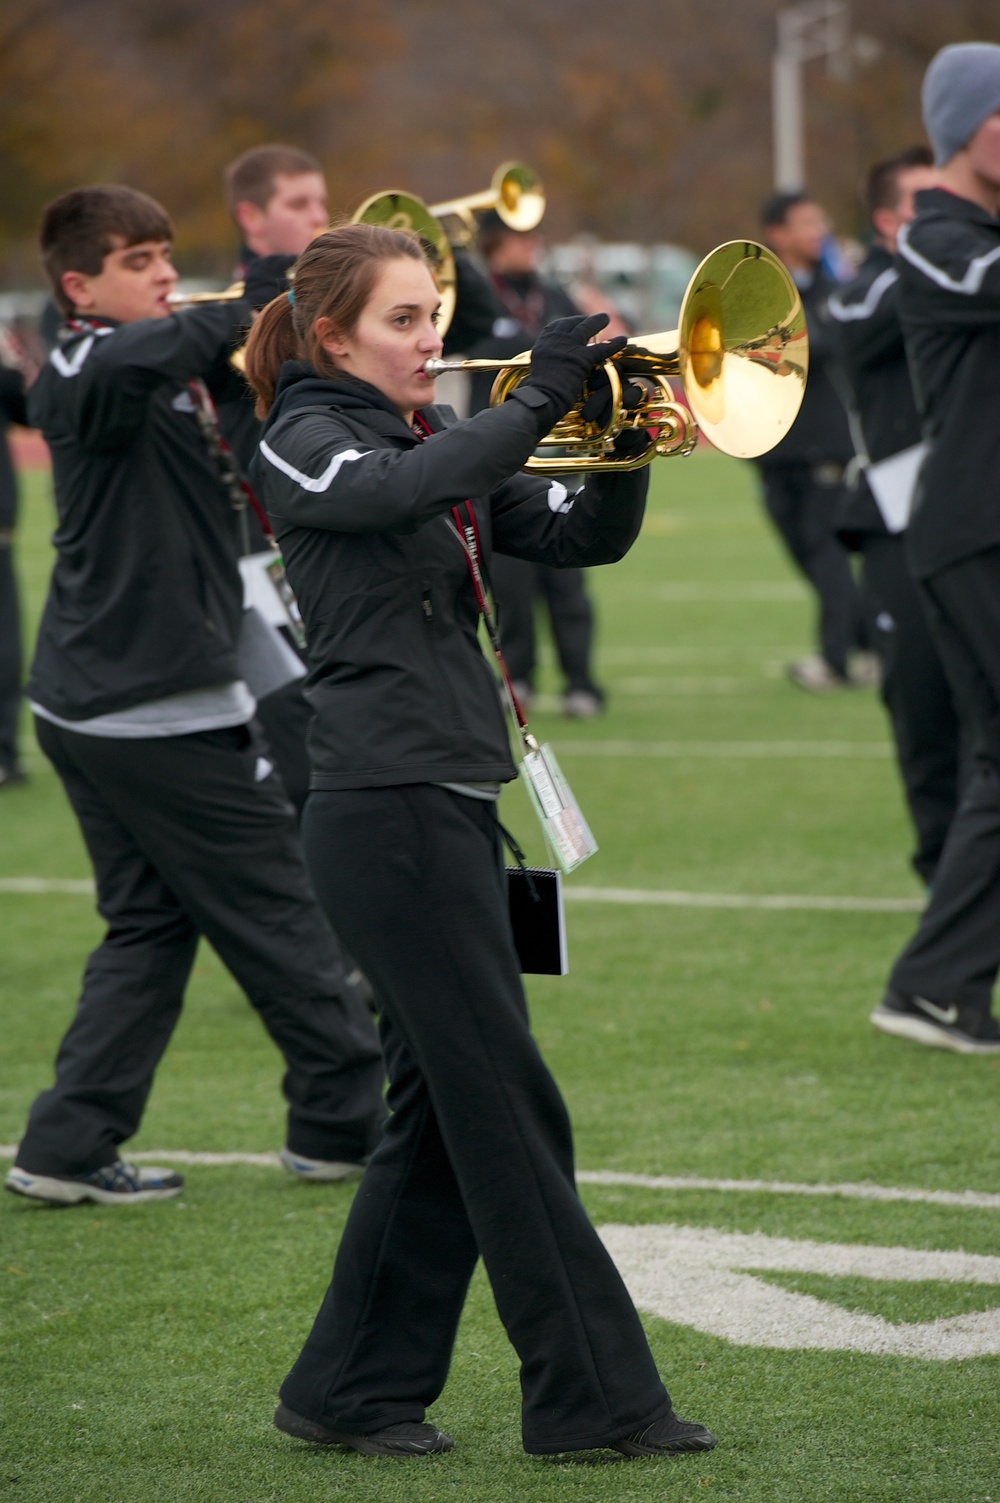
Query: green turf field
(140, 1348)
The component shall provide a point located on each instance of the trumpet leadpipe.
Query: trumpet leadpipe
(435, 368)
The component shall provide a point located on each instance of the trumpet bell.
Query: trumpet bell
(404, 211)
(520, 197)
(742, 348)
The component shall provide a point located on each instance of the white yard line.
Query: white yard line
(628, 895)
(81, 885)
(969, 1199)
(740, 750)
(777, 900)
(964, 1199)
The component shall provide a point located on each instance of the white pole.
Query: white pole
(789, 155)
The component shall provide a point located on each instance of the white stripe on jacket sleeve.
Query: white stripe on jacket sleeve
(313, 483)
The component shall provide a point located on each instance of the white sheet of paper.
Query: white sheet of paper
(893, 482)
(259, 591)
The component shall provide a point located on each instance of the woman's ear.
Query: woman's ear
(329, 337)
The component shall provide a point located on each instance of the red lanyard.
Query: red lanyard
(467, 532)
(236, 483)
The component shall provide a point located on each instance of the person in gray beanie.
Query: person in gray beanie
(940, 988)
(961, 89)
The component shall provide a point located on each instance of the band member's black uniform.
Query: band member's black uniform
(140, 707)
(803, 480)
(409, 747)
(949, 299)
(916, 692)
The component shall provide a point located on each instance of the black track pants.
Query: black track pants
(477, 1158)
(917, 694)
(193, 835)
(519, 585)
(803, 510)
(954, 956)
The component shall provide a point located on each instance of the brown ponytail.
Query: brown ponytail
(334, 278)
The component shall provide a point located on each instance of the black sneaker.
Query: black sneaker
(964, 1030)
(669, 1436)
(406, 1439)
(116, 1184)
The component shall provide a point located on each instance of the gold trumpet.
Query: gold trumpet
(516, 194)
(230, 294)
(740, 351)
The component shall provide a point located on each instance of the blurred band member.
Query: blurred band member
(141, 707)
(940, 988)
(803, 476)
(525, 302)
(887, 424)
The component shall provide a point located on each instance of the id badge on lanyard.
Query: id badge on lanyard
(566, 832)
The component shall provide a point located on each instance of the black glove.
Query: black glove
(267, 278)
(561, 359)
(597, 409)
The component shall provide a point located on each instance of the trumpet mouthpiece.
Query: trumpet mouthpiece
(434, 368)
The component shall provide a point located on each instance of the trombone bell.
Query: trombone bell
(403, 211)
(741, 354)
(516, 194)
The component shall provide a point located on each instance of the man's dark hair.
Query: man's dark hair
(251, 178)
(774, 210)
(80, 227)
(882, 182)
(491, 231)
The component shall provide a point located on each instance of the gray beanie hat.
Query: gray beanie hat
(961, 88)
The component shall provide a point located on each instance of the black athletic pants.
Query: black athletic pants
(916, 693)
(10, 652)
(518, 584)
(801, 502)
(954, 956)
(193, 835)
(477, 1158)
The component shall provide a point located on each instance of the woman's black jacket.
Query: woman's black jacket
(361, 505)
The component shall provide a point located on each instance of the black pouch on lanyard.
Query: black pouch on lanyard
(535, 900)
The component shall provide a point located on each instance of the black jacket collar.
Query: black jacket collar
(941, 201)
(300, 386)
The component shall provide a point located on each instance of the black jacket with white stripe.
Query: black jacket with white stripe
(869, 336)
(362, 507)
(949, 301)
(145, 598)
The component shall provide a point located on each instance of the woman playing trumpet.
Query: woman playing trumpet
(360, 473)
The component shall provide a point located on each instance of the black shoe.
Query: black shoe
(666, 1437)
(964, 1030)
(116, 1184)
(12, 775)
(406, 1439)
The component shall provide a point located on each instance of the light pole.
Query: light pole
(820, 28)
